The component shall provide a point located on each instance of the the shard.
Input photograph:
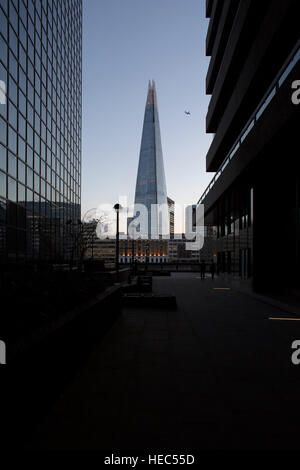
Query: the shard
(151, 183)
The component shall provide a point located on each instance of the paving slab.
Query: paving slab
(215, 373)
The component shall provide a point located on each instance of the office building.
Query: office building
(178, 253)
(171, 212)
(144, 251)
(151, 183)
(40, 130)
(253, 199)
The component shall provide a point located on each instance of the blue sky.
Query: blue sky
(126, 43)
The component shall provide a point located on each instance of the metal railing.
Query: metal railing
(266, 100)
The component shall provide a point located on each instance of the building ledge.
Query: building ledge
(270, 118)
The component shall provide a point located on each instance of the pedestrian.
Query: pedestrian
(202, 269)
(212, 269)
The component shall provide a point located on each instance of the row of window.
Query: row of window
(55, 121)
(37, 81)
(10, 163)
(40, 126)
(70, 157)
(234, 213)
(27, 216)
(43, 139)
(66, 164)
(231, 225)
(58, 69)
(52, 34)
(235, 262)
(160, 260)
(14, 190)
(56, 112)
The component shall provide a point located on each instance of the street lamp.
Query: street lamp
(117, 208)
(133, 225)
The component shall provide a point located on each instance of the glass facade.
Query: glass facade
(230, 242)
(151, 182)
(40, 129)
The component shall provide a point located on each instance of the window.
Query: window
(2, 157)
(13, 41)
(12, 140)
(37, 143)
(3, 24)
(30, 135)
(30, 29)
(2, 184)
(29, 113)
(37, 124)
(30, 49)
(42, 187)
(36, 163)
(13, 91)
(29, 195)
(21, 172)
(13, 66)
(22, 126)
(21, 193)
(36, 183)
(22, 80)
(3, 128)
(23, 14)
(13, 17)
(48, 192)
(12, 165)
(30, 92)
(29, 157)
(43, 169)
(13, 115)
(22, 103)
(22, 149)
(22, 54)
(11, 190)
(3, 51)
(29, 177)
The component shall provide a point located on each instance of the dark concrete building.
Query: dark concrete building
(253, 199)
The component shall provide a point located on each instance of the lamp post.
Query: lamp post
(117, 208)
(132, 233)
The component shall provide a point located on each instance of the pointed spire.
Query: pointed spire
(150, 97)
(151, 183)
(154, 93)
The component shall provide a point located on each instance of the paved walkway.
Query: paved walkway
(215, 373)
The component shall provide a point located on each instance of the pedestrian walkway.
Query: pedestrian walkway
(215, 373)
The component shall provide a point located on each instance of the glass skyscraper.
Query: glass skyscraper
(151, 182)
(40, 129)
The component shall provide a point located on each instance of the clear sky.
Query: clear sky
(126, 43)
